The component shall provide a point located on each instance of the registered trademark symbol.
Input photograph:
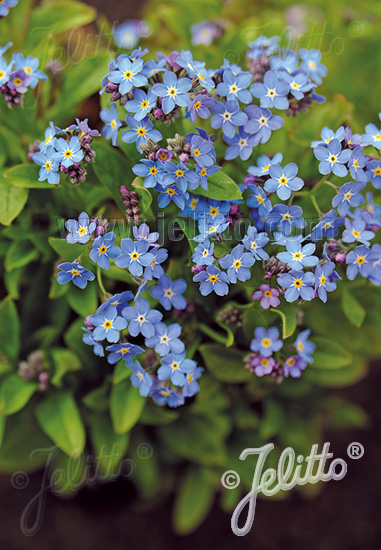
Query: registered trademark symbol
(355, 450)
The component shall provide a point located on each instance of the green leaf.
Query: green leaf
(194, 500)
(288, 315)
(156, 416)
(188, 227)
(220, 187)
(226, 365)
(3, 421)
(336, 378)
(329, 355)
(271, 423)
(126, 406)
(352, 308)
(109, 447)
(68, 252)
(121, 372)
(112, 169)
(19, 254)
(14, 394)
(12, 201)
(97, 400)
(83, 301)
(343, 414)
(145, 197)
(59, 417)
(252, 318)
(9, 329)
(57, 17)
(64, 361)
(26, 175)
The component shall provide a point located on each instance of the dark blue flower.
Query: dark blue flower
(283, 180)
(323, 282)
(80, 231)
(154, 269)
(272, 91)
(285, 218)
(234, 86)
(174, 367)
(68, 153)
(328, 226)
(172, 91)
(134, 256)
(237, 264)
(140, 131)
(166, 339)
(141, 379)
(151, 171)
(227, 116)
(348, 195)
(261, 122)
(298, 285)
(355, 231)
(359, 261)
(124, 351)
(110, 129)
(203, 253)
(142, 105)
(254, 242)
(304, 347)
(298, 256)
(127, 74)
(332, 158)
(179, 174)
(49, 165)
(199, 106)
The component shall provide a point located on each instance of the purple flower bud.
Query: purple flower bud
(340, 257)
(184, 157)
(158, 113)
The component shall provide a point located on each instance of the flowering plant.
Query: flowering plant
(206, 282)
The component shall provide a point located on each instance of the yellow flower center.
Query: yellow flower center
(175, 365)
(237, 264)
(283, 180)
(48, 165)
(144, 104)
(203, 172)
(213, 278)
(197, 105)
(103, 249)
(125, 350)
(377, 171)
(347, 196)
(179, 173)
(113, 124)
(355, 233)
(107, 324)
(267, 293)
(360, 260)
(298, 256)
(128, 75)
(171, 192)
(172, 92)
(74, 272)
(82, 231)
(266, 342)
(153, 171)
(298, 283)
(312, 65)
(271, 93)
(196, 153)
(333, 158)
(233, 89)
(141, 131)
(322, 280)
(68, 153)
(134, 256)
(17, 81)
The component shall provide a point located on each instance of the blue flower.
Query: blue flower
(127, 34)
(328, 226)
(124, 351)
(359, 261)
(5, 69)
(169, 293)
(284, 64)
(348, 195)
(265, 341)
(203, 174)
(323, 282)
(80, 231)
(227, 116)
(19, 81)
(272, 91)
(166, 339)
(154, 269)
(141, 318)
(140, 131)
(141, 379)
(142, 233)
(263, 164)
(297, 256)
(258, 199)
(199, 106)
(171, 193)
(372, 136)
(212, 279)
(332, 158)
(299, 83)
(185, 60)
(142, 104)
(261, 122)
(305, 347)
(293, 366)
(107, 325)
(30, 66)
(204, 33)
(179, 174)
(120, 301)
(128, 74)
(89, 340)
(237, 264)
(327, 135)
(298, 285)
(241, 144)
(375, 259)
(110, 129)
(191, 386)
(217, 210)
(49, 165)
(356, 232)
(172, 91)
(134, 257)
(285, 218)
(311, 64)
(203, 253)
(4, 8)
(103, 249)
(175, 367)
(283, 180)
(263, 46)
(234, 86)
(254, 242)
(356, 164)
(74, 272)
(210, 227)
(151, 171)
(202, 151)
(374, 172)
(164, 396)
(68, 153)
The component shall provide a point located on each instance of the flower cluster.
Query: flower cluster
(19, 74)
(65, 152)
(263, 362)
(172, 376)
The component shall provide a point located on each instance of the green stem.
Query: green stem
(320, 183)
(314, 202)
(331, 185)
(100, 282)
